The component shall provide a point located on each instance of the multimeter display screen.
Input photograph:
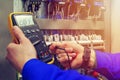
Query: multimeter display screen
(24, 20)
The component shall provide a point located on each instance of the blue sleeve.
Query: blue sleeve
(109, 61)
(36, 70)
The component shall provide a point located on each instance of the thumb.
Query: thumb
(19, 35)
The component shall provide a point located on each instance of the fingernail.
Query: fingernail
(70, 58)
(73, 54)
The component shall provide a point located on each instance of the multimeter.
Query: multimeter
(26, 22)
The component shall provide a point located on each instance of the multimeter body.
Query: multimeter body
(26, 22)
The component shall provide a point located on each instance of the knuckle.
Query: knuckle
(9, 46)
(65, 44)
(26, 40)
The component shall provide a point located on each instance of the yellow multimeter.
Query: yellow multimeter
(26, 22)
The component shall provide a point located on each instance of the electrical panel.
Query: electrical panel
(81, 21)
(90, 38)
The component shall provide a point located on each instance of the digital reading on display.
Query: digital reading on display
(24, 20)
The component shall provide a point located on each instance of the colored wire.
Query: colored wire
(67, 56)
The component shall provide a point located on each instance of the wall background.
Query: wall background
(115, 26)
(6, 70)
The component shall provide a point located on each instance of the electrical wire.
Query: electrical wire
(67, 56)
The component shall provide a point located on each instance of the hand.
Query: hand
(19, 54)
(75, 52)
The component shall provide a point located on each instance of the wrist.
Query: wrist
(88, 58)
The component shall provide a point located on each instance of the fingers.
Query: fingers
(59, 47)
(63, 57)
(19, 35)
(54, 45)
(10, 48)
(62, 50)
(65, 61)
(69, 50)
